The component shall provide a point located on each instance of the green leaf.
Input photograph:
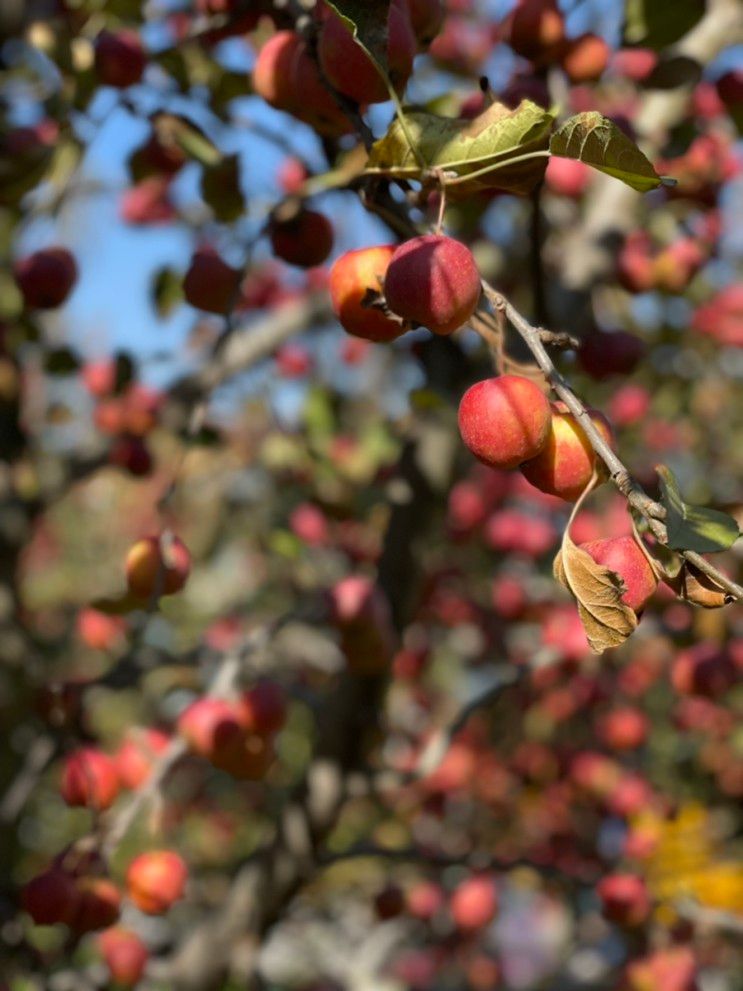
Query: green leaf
(484, 145)
(694, 528)
(657, 25)
(167, 291)
(367, 22)
(597, 141)
(220, 189)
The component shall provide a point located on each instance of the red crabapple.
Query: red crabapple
(504, 421)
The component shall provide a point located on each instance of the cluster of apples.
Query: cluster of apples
(508, 422)
(76, 889)
(379, 293)
(237, 735)
(535, 29)
(289, 78)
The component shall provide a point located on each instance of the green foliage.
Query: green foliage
(694, 528)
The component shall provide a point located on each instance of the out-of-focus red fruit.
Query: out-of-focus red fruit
(624, 728)
(389, 902)
(623, 556)
(46, 277)
(124, 954)
(633, 63)
(467, 507)
(304, 240)
(210, 283)
(98, 630)
(635, 263)
(293, 361)
(272, 74)
(722, 317)
(509, 597)
(120, 58)
(137, 753)
(361, 613)
(292, 176)
(155, 566)
(630, 796)
(155, 880)
(461, 46)
(629, 405)
(97, 905)
(563, 631)
(147, 202)
(474, 903)
(433, 280)
(424, 899)
(352, 277)
(624, 899)
(567, 177)
(703, 669)
(350, 70)
(210, 726)
(595, 773)
(264, 707)
(706, 101)
(50, 897)
(673, 969)
(426, 19)
(505, 420)
(99, 377)
(409, 663)
(584, 59)
(526, 86)
(676, 265)
(566, 462)
(513, 531)
(730, 87)
(604, 354)
(353, 351)
(535, 28)
(89, 779)
(310, 524)
(131, 454)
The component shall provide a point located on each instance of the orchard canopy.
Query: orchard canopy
(371, 463)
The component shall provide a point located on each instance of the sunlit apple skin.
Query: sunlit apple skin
(210, 284)
(124, 954)
(119, 58)
(505, 420)
(623, 556)
(433, 280)
(350, 277)
(304, 240)
(155, 880)
(89, 779)
(46, 277)
(156, 567)
(350, 70)
(287, 77)
(564, 466)
(137, 753)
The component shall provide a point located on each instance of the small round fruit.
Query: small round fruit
(155, 880)
(46, 277)
(124, 954)
(89, 779)
(433, 280)
(304, 240)
(349, 69)
(564, 466)
(50, 897)
(155, 567)
(474, 903)
(504, 420)
(210, 284)
(585, 58)
(624, 899)
(624, 556)
(119, 58)
(352, 276)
